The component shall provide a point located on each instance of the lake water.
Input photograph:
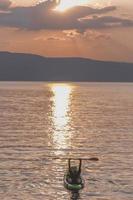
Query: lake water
(43, 121)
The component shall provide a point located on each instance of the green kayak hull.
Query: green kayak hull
(74, 187)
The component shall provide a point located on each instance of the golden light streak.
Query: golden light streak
(60, 115)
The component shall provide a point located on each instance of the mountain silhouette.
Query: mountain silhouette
(29, 67)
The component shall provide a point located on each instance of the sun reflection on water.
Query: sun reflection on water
(61, 115)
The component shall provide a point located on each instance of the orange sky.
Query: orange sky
(107, 34)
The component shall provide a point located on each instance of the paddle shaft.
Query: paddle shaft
(88, 159)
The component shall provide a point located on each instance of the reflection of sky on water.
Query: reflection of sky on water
(60, 115)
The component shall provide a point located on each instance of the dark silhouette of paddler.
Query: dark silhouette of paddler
(74, 173)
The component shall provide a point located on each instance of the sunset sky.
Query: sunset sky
(97, 29)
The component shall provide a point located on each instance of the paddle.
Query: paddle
(89, 159)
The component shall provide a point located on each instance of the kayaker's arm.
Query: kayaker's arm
(80, 165)
(69, 164)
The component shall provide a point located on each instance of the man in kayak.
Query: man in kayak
(74, 173)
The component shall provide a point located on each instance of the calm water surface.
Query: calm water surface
(41, 121)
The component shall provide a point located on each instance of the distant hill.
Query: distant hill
(29, 67)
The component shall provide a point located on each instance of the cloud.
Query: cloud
(55, 38)
(71, 33)
(96, 35)
(97, 22)
(43, 17)
(4, 4)
(51, 38)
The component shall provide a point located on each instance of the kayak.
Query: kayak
(71, 186)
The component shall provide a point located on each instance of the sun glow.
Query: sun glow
(66, 4)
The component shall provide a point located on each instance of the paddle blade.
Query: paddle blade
(94, 159)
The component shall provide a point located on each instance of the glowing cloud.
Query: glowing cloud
(66, 4)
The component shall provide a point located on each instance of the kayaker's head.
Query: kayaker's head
(73, 171)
